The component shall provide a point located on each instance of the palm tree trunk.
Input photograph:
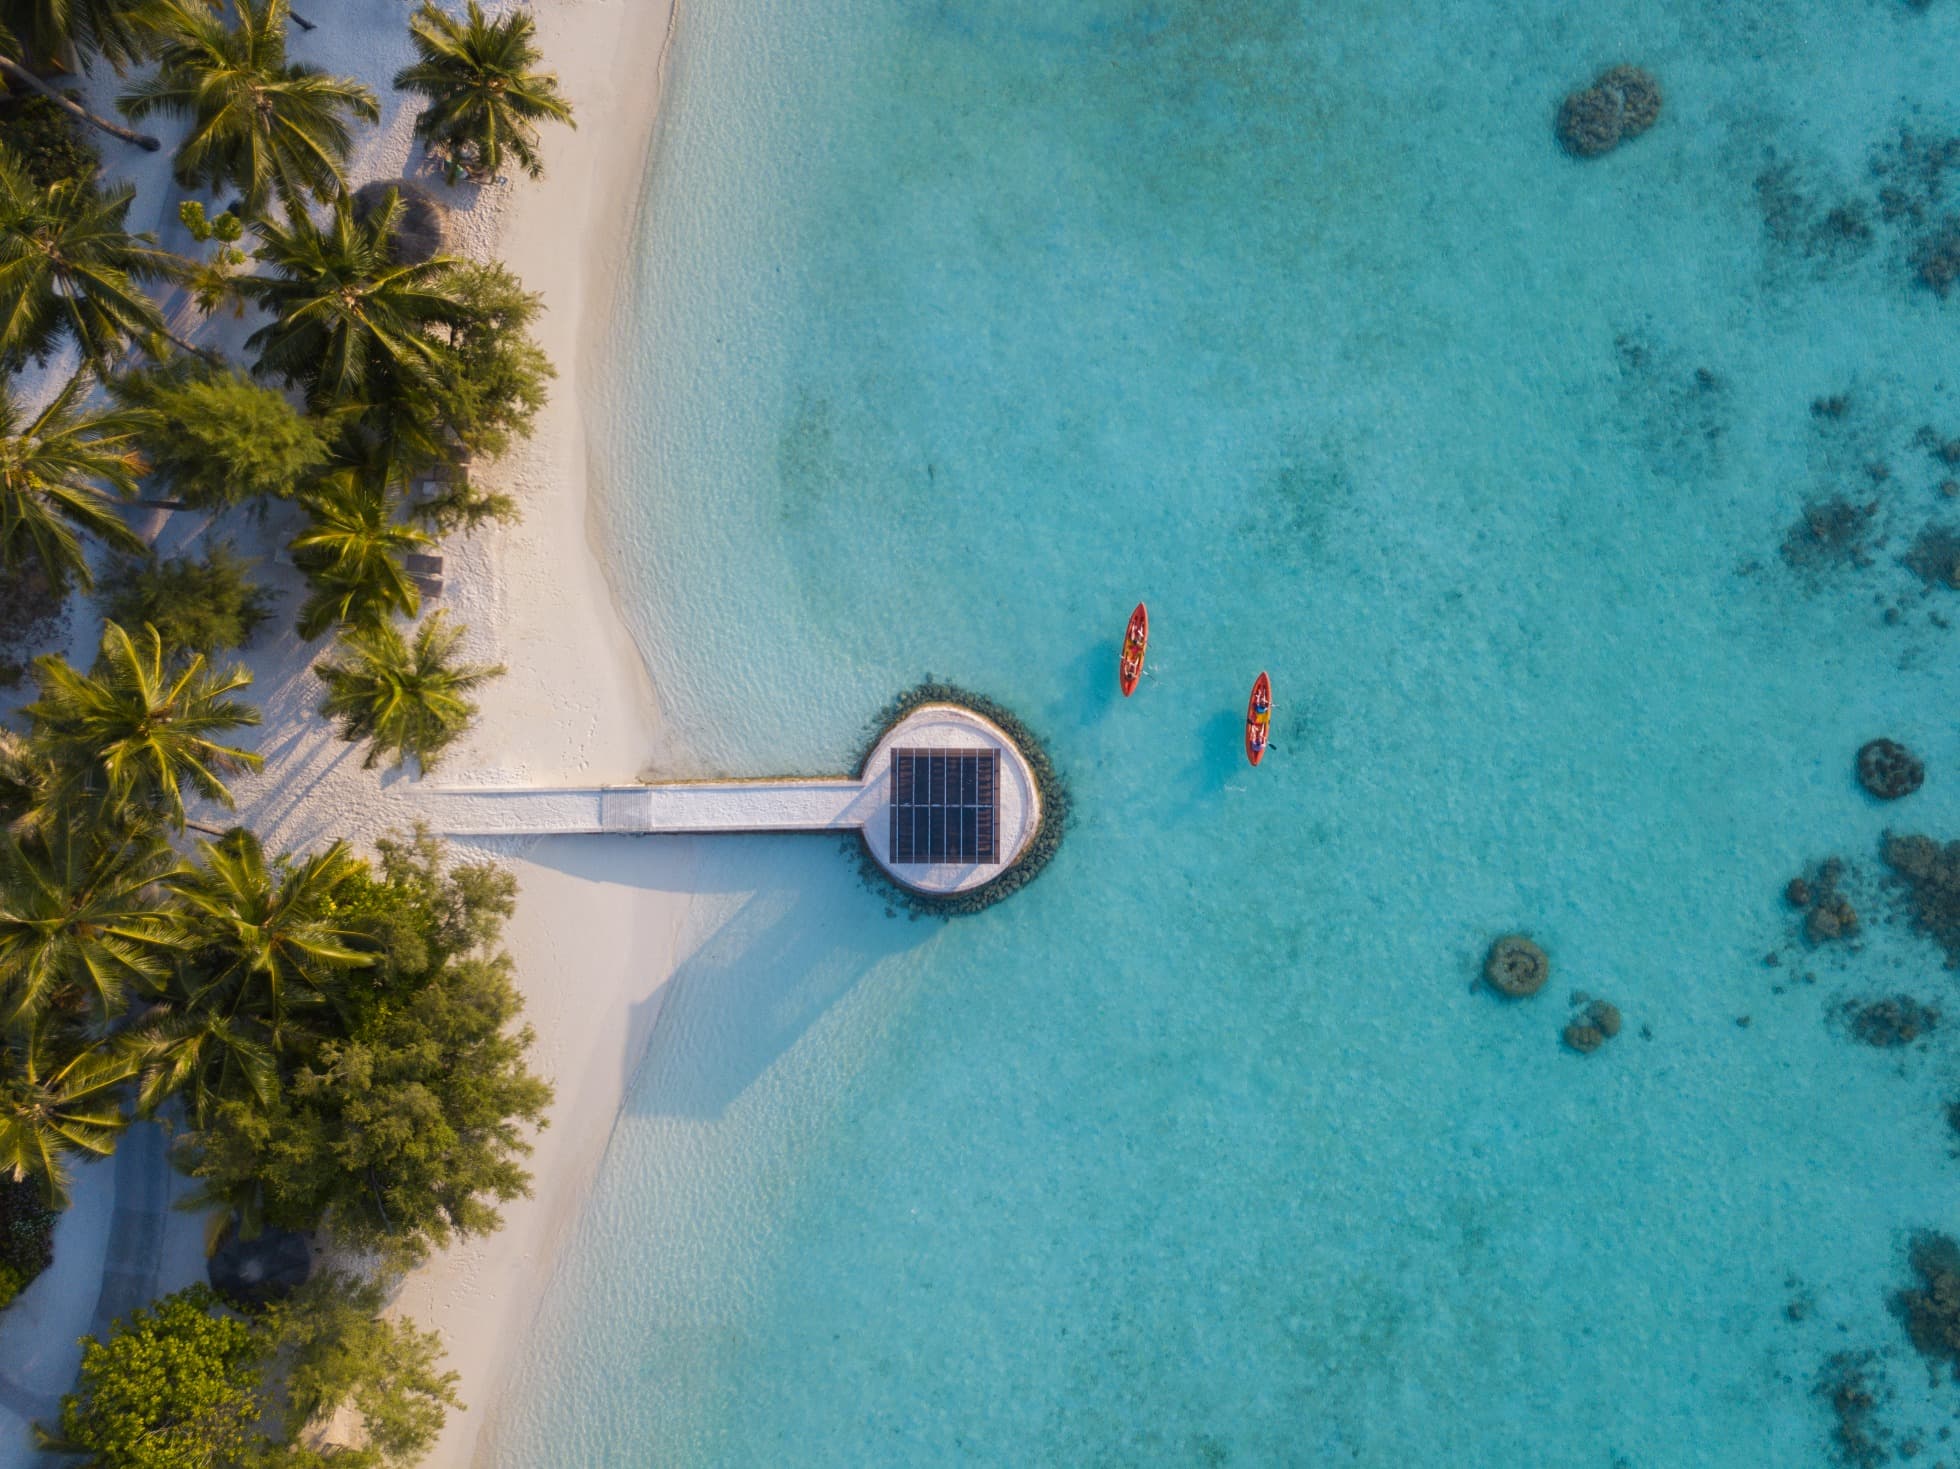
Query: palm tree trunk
(183, 345)
(301, 21)
(210, 831)
(162, 504)
(15, 72)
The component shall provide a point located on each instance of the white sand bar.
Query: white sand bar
(790, 803)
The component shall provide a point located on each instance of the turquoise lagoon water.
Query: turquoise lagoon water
(961, 326)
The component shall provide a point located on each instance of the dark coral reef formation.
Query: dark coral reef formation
(1830, 534)
(1934, 556)
(1931, 1311)
(1623, 103)
(1517, 967)
(1909, 198)
(1930, 874)
(1597, 1022)
(1895, 1021)
(1852, 1385)
(1888, 770)
(1827, 912)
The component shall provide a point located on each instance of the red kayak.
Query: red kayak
(1258, 718)
(1135, 642)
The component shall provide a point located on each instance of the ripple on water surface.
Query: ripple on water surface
(1588, 517)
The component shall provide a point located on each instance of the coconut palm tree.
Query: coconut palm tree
(141, 725)
(348, 325)
(81, 915)
(264, 936)
(28, 782)
(484, 96)
(69, 269)
(354, 550)
(264, 947)
(201, 1057)
(65, 33)
(403, 699)
(61, 473)
(15, 73)
(266, 126)
(60, 1097)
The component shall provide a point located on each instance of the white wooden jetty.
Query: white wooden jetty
(945, 802)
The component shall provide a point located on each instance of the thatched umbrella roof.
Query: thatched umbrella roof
(419, 231)
(269, 1266)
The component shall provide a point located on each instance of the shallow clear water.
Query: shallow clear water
(961, 327)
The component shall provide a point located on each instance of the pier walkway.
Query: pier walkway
(945, 802)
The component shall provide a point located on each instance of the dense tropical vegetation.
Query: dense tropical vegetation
(140, 726)
(333, 1041)
(189, 1384)
(348, 323)
(206, 604)
(68, 33)
(355, 548)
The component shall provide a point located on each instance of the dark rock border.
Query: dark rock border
(1041, 847)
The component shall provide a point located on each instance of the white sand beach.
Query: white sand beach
(592, 951)
(597, 921)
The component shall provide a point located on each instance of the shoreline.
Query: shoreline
(568, 650)
(598, 922)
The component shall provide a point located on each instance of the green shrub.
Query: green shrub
(213, 437)
(46, 139)
(207, 606)
(489, 390)
(26, 1237)
(189, 1384)
(174, 1387)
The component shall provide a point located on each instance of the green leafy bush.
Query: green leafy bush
(207, 606)
(188, 1384)
(213, 437)
(49, 142)
(26, 1237)
(488, 390)
(335, 1355)
(174, 1387)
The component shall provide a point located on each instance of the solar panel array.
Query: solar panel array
(944, 805)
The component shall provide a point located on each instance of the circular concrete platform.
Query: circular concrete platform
(1017, 806)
